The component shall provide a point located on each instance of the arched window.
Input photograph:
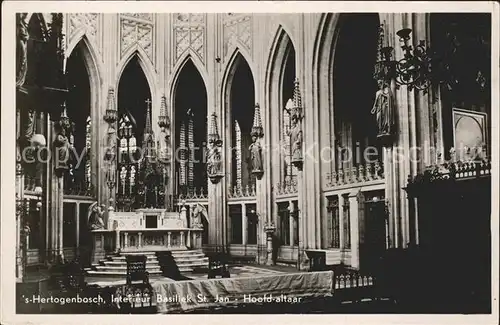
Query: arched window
(78, 180)
(190, 102)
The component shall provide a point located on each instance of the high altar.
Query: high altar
(142, 222)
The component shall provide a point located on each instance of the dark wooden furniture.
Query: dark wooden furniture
(217, 266)
(317, 260)
(136, 269)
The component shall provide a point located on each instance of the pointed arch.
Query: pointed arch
(92, 60)
(179, 66)
(94, 69)
(41, 18)
(229, 115)
(189, 113)
(76, 37)
(280, 50)
(146, 66)
(324, 51)
(281, 33)
(231, 65)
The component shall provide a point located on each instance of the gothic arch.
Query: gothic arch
(189, 93)
(94, 69)
(147, 68)
(228, 113)
(91, 58)
(181, 63)
(237, 53)
(275, 70)
(76, 37)
(325, 47)
(41, 18)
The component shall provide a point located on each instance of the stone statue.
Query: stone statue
(111, 145)
(95, 217)
(22, 49)
(214, 158)
(296, 139)
(163, 147)
(28, 126)
(61, 144)
(256, 155)
(383, 109)
(196, 215)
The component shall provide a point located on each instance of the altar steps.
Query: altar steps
(188, 260)
(116, 265)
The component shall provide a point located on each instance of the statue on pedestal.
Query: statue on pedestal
(296, 139)
(256, 155)
(62, 146)
(196, 215)
(214, 163)
(112, 140)
(95, 217)
(383, 109)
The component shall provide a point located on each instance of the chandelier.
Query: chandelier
(413, 70)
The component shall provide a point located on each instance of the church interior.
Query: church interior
(256, 145)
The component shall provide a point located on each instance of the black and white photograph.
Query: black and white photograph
(267, 159)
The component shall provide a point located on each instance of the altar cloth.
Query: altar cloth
(182, 296)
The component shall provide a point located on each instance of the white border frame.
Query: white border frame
(8, 148)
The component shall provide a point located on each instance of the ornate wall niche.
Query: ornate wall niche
(237, 32)
(137, 31)
(189, 33)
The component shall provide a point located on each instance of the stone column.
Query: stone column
(125, 240)
(269, 229)
(139, 242)
(396, 162)
(110, 37)
(356, 205)
(341, 222)
(291, 221)
(169, 239)
(244, 223)
(117, 241)
(19, 222)
(77, 213)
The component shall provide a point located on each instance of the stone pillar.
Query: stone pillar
(109, 79)
(125, 240)
(188, 239)
(19, 221)
(169, 239)
(396, 157)
(182, 238)
(117, 241)
(77, 213)
(244, 223)
(341, 222)
(356, 205)
(139, 235)
(291, 221)
(269, 230)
